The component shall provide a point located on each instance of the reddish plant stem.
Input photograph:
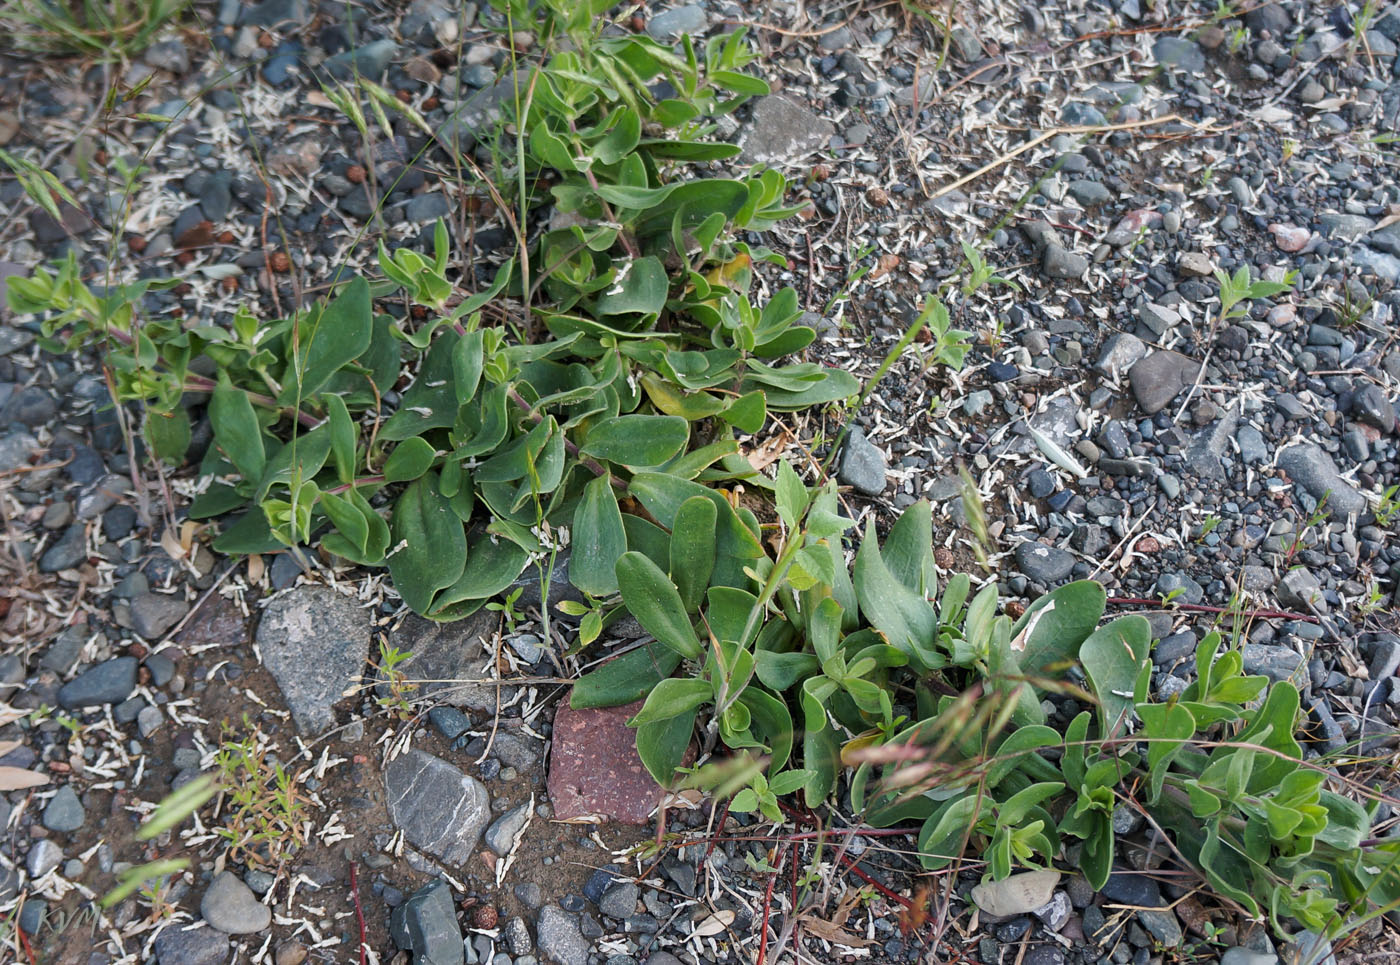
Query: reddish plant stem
(361, 481)
(767, 907)
(359, 912)
(1201, 608)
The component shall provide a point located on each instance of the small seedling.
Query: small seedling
(1389, 507)
(1208, 526)
(399, 700)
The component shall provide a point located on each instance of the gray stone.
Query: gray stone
(109, 682)
(1159, 377)
(64, 812)
(1347, 226)
(558, 937)
(479, 112)
(369, 61)
(426, 925)
(1378, 263)
(314, 641)
(1371, 406)
(230, 906)
(672, 24)
(1194, 264)
(273, 13)
(423, 208)
(1060, 262)
(15, 450)
(500, 836)
(1190, 591)
(1089, 193)
(1300, 590)
(515, 751)
(1161, 925)
(180, 945)
(154, 614)
(1120, 353)
(1312, 469)
(1178, 52)
(1309, 948)
(862, 464)
(441, 810)
(1253, 448)
(1246, 956)
(620, 900)
(148, 721)
(1276, 663)
(1018, 894)
(517, 936)
(446, 653)
(783, 132)
(68, 552)
(171, 55)
(44, 856)
(1043, 564)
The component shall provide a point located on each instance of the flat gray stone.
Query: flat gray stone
(558, 937)
(314, 642)
(783, 132)
(181, 945)
(446, 653)
(1120, 353)
(109, 682)
(154, 614)
(1044, 564)
(1312, 469)
(426, 925)
(230, 906)
(441, 810)
(500, 836)
(862, 464)
(1159, 377)
(64, 812)
(671, 24)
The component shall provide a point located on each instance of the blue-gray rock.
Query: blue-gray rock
(447, 652)
(1120, 353)
(862, 464)
(15, 450)
(515, 751)
(1275, 662)
(1253, 449)
(1161, 925)
(1371, 406)
(426, 925)
(64, 812)
(422, 208)
(274, 13)
(216, 197)
(1059, 262)
(369, 61)
(152, 614)
(44, 856)
(110, 682)
(32, 915)
(672, 24)
(620, 901)
(68, 552)
(1309, 948)
(1190, 591)
(314, 641)
(1044, 564)
(558, 938)
(1159, 377)
(171, 55)
(783, 132)
(1382, 265)
(1312, 469)
(1247, 956)
(1080, 114)
(1178, 52)
(449, 721)
(500, 836)
(183, 945)
(441, 810)
(1089, 193)
(1129, 888)
(230, 906)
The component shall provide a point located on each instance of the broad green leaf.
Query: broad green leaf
(636, 440)
(493, 565)
(1021, 744)
(908, 549)
(236, 430)
(639, 289)
(434, 550)
(821, 754)
(647, 538)
(598, 539)
(431, 401)
(661, 746)
(626, 678)
(946, 832)
(654, 601)
(791, 495)
(747, 413)
(672, 697)
(168, 433)
(329, 338)
(248, 534)
(215, 501)
(1113, 656)
(692, 550)
(1053, 627)
(779, 671)
(409, 460)
(347, 518)
(770, 716)
(467, 361)
(905, 618)
(342, 432)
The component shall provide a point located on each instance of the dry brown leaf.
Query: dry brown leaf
(767, 452)
(255, 569)
(8, 714)
(715, 923)
(7, 746)
(17, 778)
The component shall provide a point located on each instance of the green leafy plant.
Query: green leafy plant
(1389, 506)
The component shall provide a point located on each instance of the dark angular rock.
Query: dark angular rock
(107, 683)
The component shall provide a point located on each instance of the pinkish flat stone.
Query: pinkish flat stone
(594, 771)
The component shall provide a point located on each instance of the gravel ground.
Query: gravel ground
(1114, 429)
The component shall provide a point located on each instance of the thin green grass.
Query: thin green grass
(100, 29)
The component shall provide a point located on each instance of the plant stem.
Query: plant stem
(200, 383)
(1201, 608)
